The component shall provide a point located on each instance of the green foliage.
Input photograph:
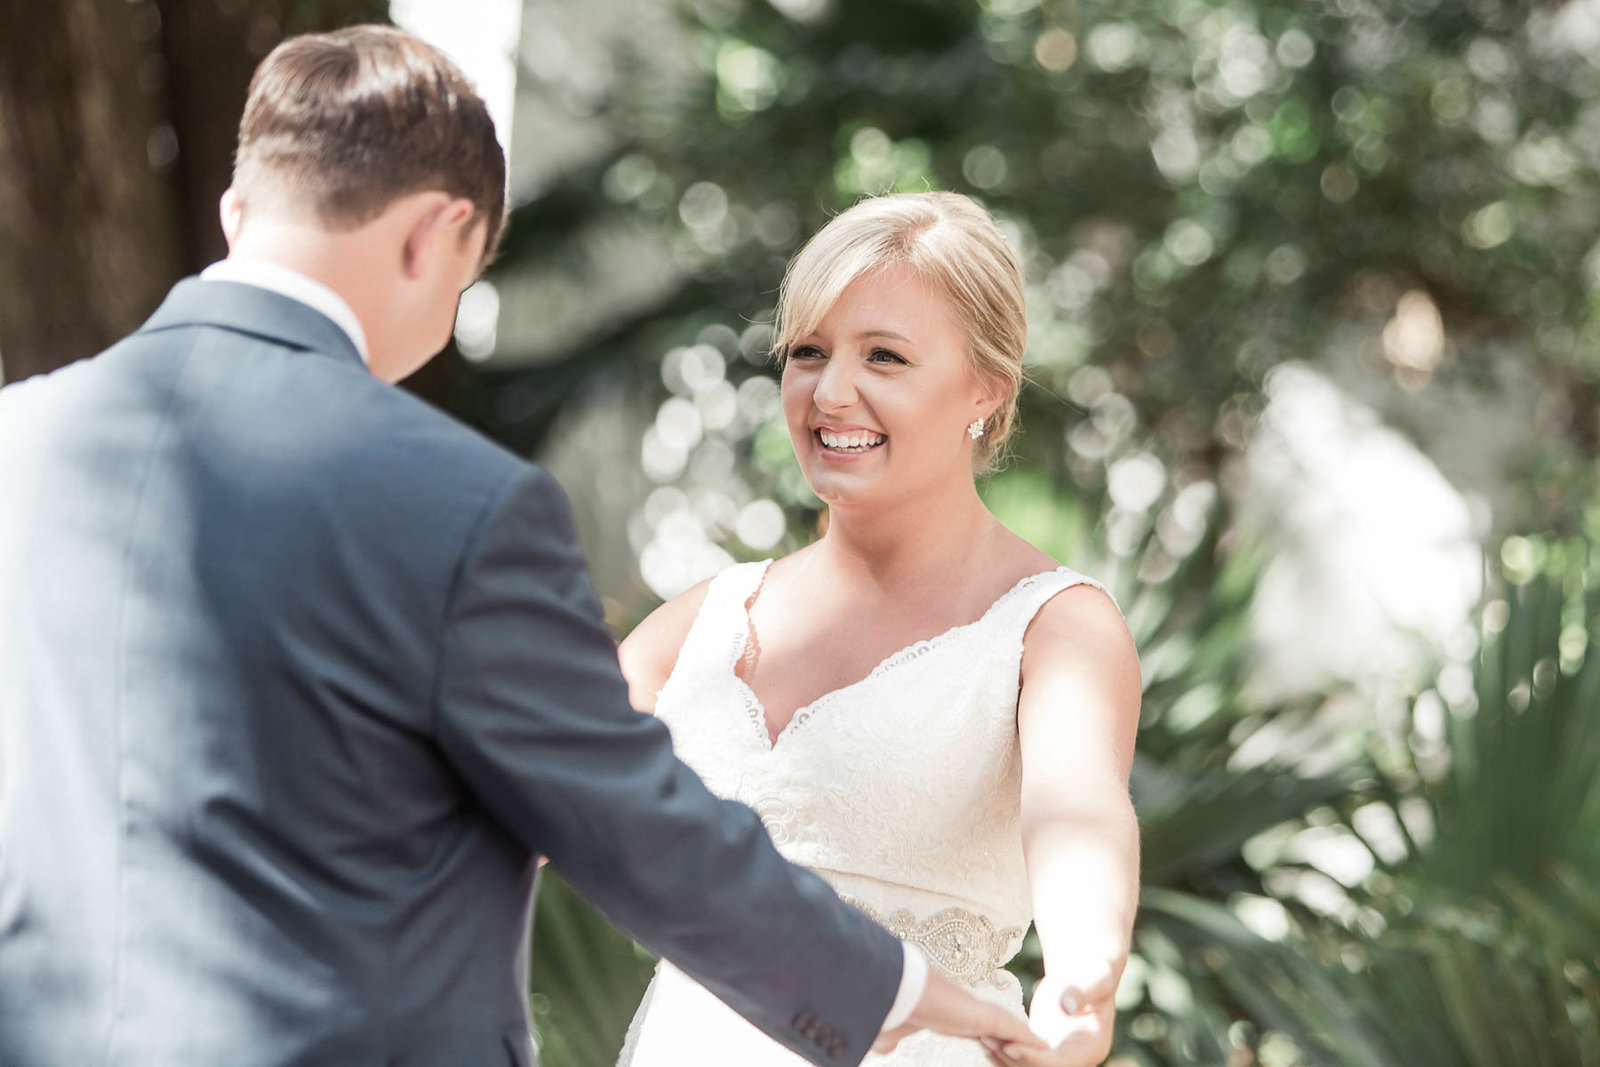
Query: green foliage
(587, 980)
(1520, 802)
(1477, 944)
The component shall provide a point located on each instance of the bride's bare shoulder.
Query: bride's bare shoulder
(1019, 557)
(650, 650)
(1070, 610)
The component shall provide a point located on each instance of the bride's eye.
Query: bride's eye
(806, 352)
(883, 355)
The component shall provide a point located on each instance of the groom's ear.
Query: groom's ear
(436, 227)
(231, 211)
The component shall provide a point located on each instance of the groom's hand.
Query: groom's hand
(948, 1009)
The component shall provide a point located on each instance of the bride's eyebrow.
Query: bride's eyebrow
(885, 333)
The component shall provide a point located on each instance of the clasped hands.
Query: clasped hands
(1069, 1025)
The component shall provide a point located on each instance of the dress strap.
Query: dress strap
(732, 586)
(717, 634)
(1017, 612)
(728, 617)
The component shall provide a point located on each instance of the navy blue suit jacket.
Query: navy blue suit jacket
(297, 676)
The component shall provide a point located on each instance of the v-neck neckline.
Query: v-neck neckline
(756, 708)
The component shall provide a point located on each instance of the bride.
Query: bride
(925, 709)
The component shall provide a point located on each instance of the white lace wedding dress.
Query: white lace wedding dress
(901, 789)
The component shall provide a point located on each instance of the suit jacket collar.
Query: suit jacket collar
(250, 309)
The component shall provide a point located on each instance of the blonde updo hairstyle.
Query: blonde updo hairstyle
(953, 245)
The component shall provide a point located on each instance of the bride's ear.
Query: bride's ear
(991, 395)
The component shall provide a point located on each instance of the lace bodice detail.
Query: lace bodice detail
(903, 788)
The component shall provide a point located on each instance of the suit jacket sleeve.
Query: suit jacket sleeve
(532, 709)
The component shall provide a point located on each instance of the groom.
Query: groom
(297, 676)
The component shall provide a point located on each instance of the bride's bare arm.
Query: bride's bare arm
(650, 651)
(1077, 718)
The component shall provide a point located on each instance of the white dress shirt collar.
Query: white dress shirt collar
(295, 286)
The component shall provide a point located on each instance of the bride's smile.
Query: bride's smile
(848, 442)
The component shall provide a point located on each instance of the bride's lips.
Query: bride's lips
(866, 442)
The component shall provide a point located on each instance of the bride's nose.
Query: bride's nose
(836, 386)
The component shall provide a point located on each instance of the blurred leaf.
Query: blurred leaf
(586, 980)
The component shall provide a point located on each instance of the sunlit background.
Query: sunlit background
(1314, 387)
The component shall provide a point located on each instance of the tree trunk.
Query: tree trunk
(212, 48)
(88, 244)
(117, 128)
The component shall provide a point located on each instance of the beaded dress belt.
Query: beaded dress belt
(965, 947)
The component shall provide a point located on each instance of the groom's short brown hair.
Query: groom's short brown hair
(343, 124)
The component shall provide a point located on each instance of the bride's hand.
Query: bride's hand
(1073, 1012)
(948, 1009)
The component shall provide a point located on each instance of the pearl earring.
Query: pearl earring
(975, 429)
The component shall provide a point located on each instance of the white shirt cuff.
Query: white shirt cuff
(913, 983)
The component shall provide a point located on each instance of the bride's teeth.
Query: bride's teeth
(849, 442)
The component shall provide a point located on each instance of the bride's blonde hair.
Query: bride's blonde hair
(950, 242)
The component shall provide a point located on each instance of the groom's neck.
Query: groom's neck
(345, 262)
